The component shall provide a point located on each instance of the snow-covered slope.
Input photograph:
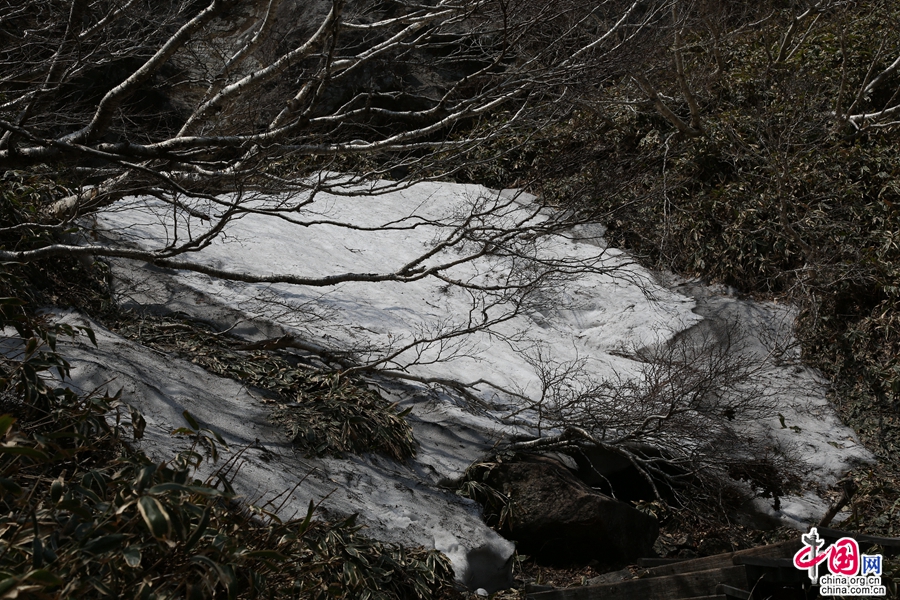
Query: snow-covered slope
(594, 316)
(599, 316)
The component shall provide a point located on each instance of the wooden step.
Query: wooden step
(772, 570)
(682, 585)
(865, 541)
(732, 593)
(647, 563)
(779, 550)
(532, 588)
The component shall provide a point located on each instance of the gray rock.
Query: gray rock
(559, 519)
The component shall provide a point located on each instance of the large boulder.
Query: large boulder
(558, 519)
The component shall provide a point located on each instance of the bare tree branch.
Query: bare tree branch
(663, 109)
(681, 419)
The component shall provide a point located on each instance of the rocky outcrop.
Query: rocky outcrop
(558, 519)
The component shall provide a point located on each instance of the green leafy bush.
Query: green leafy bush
(25, 225)
(475, 484)
(324, 413)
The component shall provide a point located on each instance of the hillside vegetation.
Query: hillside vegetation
(760, 150)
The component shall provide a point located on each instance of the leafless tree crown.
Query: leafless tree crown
(185, 96)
